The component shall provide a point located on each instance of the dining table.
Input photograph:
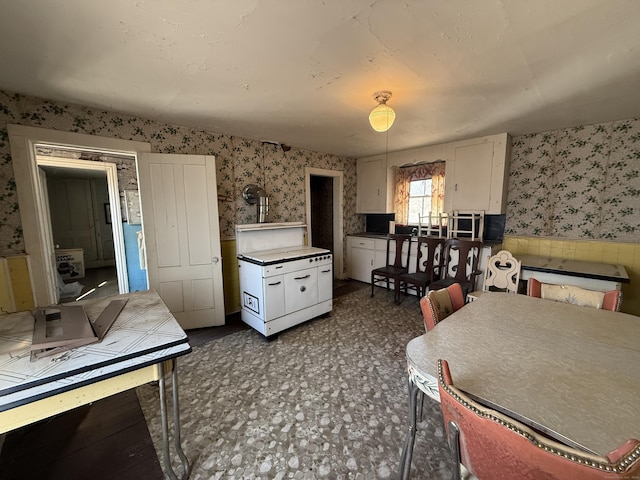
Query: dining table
(141, 346)
(569, 371)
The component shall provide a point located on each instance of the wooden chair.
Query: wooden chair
(611, 300)
(460, 264)
(492, 445)
(439, 304)
(395, 266)
(430, 250)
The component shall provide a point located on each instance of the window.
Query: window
(419, 190)
(419, 200)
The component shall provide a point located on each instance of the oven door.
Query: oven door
(300, 289)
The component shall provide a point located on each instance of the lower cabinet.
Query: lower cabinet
(360, 258)
(365, 254)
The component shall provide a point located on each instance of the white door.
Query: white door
(179, 203)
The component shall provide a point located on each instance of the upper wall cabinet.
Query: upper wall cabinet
(477, 174)
(374, 186)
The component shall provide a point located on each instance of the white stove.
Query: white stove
(282, 282)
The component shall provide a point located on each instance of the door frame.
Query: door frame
(34, 205)
(338, 213)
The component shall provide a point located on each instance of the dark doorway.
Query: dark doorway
(321, 212)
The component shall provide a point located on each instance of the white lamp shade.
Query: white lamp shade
(382, 117)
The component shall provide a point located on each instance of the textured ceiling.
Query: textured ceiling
(303, 73)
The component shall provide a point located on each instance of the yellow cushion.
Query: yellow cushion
(572, 294)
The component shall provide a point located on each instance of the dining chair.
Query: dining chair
(492, 445)
(460, 264)
(397, 262)
(430, 250)
(501, 275)
(610, 300)
(439, 304)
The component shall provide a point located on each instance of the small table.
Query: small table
(551, 365)
(144, 340)
(590, 275)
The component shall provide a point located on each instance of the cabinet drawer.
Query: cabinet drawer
(361, 242)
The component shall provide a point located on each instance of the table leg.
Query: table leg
(407, 450)
(176, 422)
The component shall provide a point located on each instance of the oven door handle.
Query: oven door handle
(302, 278)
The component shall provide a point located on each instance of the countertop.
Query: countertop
(384, 236)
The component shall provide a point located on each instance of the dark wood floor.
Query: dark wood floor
(106, 440)
(103, 441)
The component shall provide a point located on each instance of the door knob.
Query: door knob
(215, 259)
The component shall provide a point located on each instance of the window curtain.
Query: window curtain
(404, 175)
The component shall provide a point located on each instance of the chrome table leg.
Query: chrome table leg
(176, 422)
(407, 451)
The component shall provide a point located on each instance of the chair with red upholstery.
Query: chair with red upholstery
(439, 304)
(494, 446)
(611, 300)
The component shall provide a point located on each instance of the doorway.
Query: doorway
(324, 209)
(81, 225)
(322, 212)
(34, 206)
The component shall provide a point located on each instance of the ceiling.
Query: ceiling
(303, 73)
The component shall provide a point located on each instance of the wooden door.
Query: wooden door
(179, 205)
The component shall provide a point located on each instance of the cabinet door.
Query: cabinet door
(273, 297)
(325, 283)
(472, 177)
(477, 175)
(371, 194)
(361, 258)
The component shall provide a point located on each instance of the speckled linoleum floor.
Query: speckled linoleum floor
(326, 399)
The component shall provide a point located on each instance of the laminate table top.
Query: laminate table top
(571, 371)
(145, 333)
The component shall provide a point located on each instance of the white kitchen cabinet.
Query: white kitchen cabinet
(374, 192)
(366, 254)
(360, 258)
(477, 174)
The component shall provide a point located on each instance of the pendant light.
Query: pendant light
(381, 118)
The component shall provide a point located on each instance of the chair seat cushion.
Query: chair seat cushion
(572, 294)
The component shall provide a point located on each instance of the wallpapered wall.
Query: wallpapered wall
(239, 161)
(578, 183)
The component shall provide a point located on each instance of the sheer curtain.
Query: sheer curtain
(404, 176)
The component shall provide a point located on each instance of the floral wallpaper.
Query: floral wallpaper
(578, 183)
(239, 161)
